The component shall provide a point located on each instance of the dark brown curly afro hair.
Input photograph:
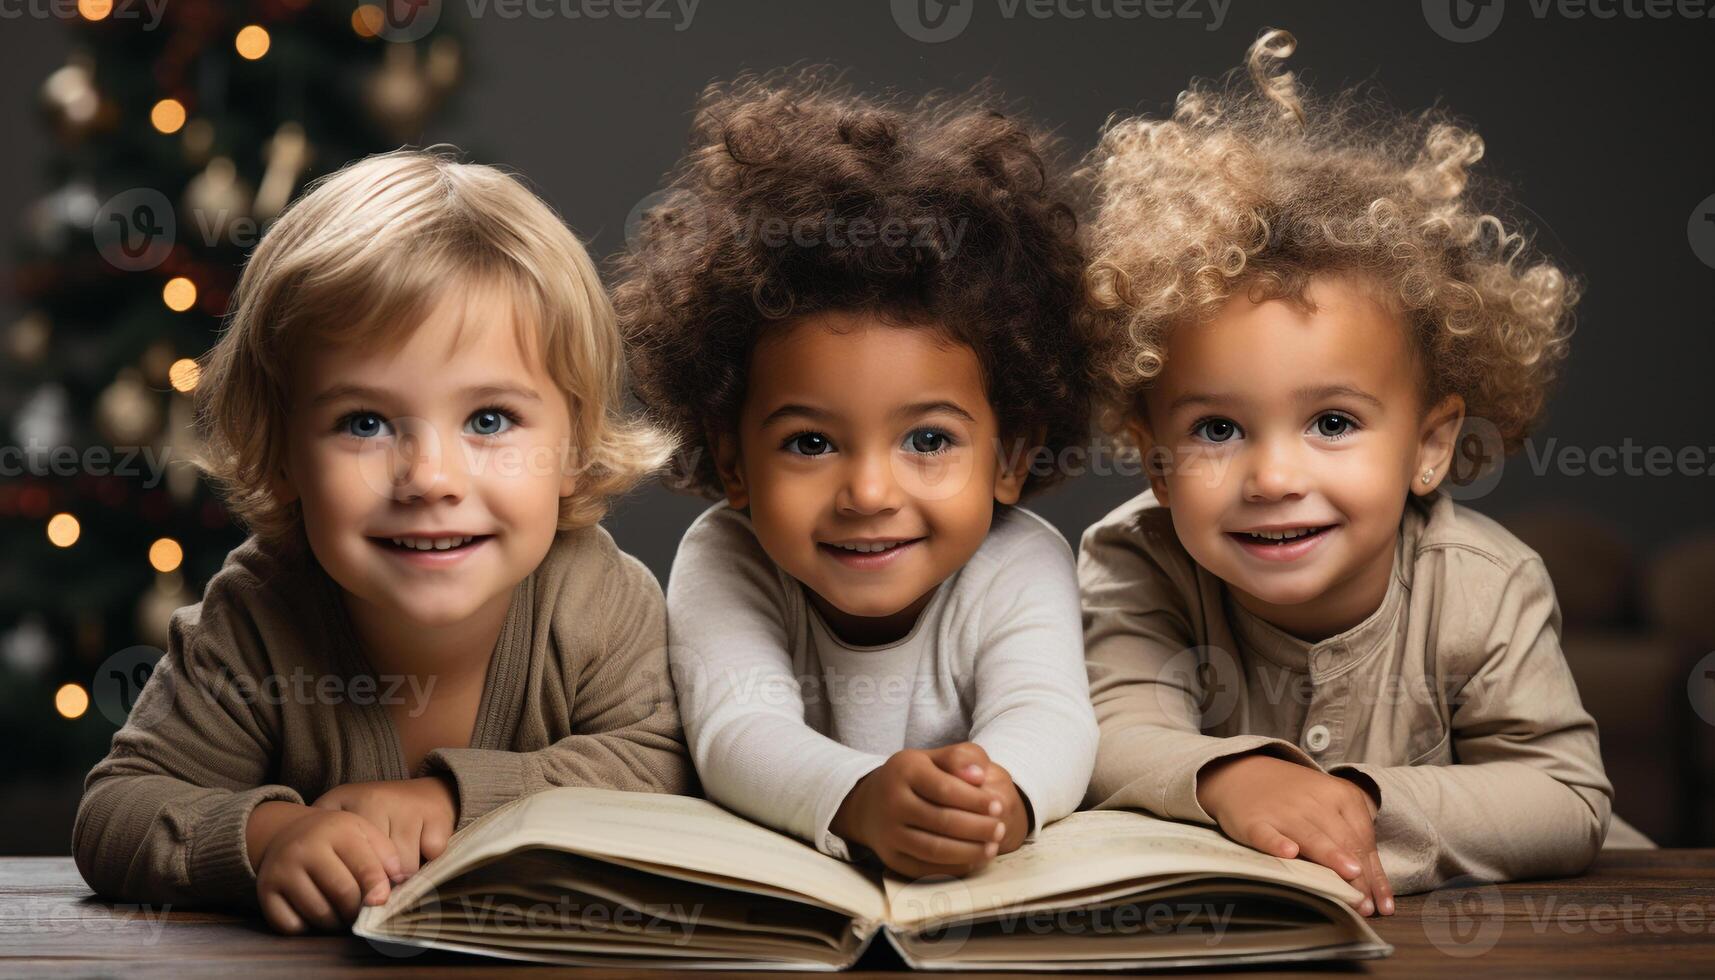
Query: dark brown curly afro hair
(798, 196)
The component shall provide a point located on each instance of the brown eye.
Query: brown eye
(927, 441)
(1216, 430)
(1333, 426)
(808, 444)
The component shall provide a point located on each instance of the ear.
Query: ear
(1435, 444)
(1012, 465)
(729, 465)
(1138, 428)
(282, 486)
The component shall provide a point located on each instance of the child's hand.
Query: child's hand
(320, 867)
(968, 761)
(920, 819)
(1289, 810)
(417, 814)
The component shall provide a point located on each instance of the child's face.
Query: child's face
(1276, 419)
(433, 440)
(855, 432)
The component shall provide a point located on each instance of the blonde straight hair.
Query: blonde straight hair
(362, 257)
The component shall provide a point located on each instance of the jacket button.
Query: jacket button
(1316, 739)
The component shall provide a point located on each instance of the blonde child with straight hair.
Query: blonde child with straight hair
(415, 408)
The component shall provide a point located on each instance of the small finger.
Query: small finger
(432, 839)
(953, 822)
(308, 901)
(338, 886)
(1267, 839)
(1318, 846)
(279, 915)
(938, 850)
(360, 859)
(385, 849)
(943, 789)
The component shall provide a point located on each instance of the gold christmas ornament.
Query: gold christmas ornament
(218, 199)
(288, 155)
(127, 412)
(27, 338)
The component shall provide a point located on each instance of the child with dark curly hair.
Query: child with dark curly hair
(1297, 635)
(859, 314)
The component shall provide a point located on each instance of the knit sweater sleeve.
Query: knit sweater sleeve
(163, 816)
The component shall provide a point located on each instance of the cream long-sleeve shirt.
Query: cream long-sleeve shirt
(1452, 699)
(783, 718)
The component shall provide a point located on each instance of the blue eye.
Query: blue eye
(491, 421)
(1215, 430)
(808, 444)
(363, 425)
(1333, 425)
(928, 442)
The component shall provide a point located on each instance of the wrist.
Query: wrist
(266, 821)
(846, 824)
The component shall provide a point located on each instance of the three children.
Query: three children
(865, 324)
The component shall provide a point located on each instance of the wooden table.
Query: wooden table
(1637, 913)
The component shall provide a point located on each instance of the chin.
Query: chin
(1285, 593)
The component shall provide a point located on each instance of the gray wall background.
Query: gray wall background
(1605, 125)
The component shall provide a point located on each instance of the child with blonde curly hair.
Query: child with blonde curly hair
(416, 409)
(1296, 634)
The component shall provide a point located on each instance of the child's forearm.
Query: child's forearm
(1439, 822)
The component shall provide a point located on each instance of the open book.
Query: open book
(596, 877)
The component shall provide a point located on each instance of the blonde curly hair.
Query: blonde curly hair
(1262, 187)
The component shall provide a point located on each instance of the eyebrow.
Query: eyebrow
(904, 411)
(1308, 393)
(472, 393)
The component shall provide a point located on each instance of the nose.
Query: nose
(425, 469)
(869, 486)
(1276, 472)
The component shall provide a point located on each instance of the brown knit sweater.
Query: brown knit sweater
(265, 694)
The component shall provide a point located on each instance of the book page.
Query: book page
(1095, 848)
(668, 832)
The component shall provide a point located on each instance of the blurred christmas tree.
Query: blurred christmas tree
(180, 130)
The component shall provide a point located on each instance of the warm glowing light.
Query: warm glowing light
(252, 42)
(168, 115)
(63, 530)
(184, 374)
(180, 294)
(94, 9)
(71, 700)
(366, 20)
(165, 554)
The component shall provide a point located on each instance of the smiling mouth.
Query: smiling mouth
(1281, 537)
(871, 547)
(432, 545)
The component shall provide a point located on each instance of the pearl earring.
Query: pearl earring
(1428, 475)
